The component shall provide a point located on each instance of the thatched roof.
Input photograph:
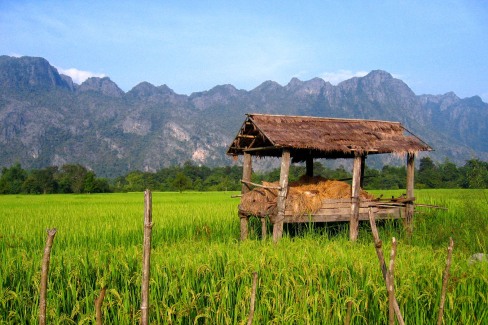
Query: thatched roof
(316, 137)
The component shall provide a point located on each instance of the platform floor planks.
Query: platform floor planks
(334, 210)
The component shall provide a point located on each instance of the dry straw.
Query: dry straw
(305, 196)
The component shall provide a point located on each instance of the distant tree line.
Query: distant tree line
(73, 178)
(70, 178)
(474, 174)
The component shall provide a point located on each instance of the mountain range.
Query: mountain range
(46, 119)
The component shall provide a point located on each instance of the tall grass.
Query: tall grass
(202, 274)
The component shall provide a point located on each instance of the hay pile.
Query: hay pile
(304, 196)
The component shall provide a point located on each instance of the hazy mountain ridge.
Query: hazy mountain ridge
(46, 119)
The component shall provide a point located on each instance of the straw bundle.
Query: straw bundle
(260, 201)
(304, 196)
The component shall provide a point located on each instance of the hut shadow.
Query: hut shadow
(331, 230)
(328, 229)
(297, 230)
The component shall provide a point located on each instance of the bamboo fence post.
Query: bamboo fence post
(347, 320)
(381, 258)
(391, 283)
(146, 257)
(445, 279)
(44, 275)
(98, 306)
(253, 297)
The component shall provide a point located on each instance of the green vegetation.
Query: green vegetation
(71, 178)
(202, 274)
(77, 179)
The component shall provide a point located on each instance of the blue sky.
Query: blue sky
(434, 46)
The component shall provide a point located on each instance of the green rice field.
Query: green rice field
(202, 274)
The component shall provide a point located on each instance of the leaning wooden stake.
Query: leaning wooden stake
(391, 283)
(146, 259)
(347, 320)
(45, 270)
(98, 306)
(253, 297)
(381, 258)
(445, 279)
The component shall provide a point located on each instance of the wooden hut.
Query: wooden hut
(304, 138)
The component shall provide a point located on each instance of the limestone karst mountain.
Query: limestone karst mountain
(46, 119)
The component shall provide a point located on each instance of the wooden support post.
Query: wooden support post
(244, 219)
(246, 177)
(309, 166)
(410, 194)
(281, 204)
(146, 257)
(264, 232)
(363, 166)
(246, 172)
(355, 190)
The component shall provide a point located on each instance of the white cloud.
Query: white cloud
(484, 97)
(79, 76)
(341, 75)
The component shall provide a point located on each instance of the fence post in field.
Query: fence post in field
(98, 306)
(253, 297)
(445, 279)
(381, 258)
(347, 320)
(44, 273)
(146, 257)
(391, 283)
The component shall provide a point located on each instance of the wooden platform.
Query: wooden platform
(334, 210)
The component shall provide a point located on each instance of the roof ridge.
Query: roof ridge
(324, 118)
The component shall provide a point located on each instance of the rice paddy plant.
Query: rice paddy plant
(202, 274)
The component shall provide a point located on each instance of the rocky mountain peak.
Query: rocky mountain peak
(72, 86)
(26, 73)
(104, 86)
(218, 95)
(378, 76)
(311, 87)
(147, 90)
(294, 84)
(378, 84)
(226, 89)
(164, 89)
(268, 86)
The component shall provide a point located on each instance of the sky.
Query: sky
(433, 46)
